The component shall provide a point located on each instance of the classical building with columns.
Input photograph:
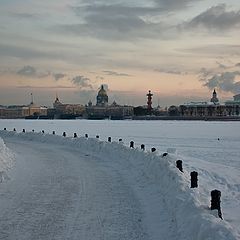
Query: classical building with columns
(211, 109)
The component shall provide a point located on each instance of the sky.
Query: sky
(179, 49)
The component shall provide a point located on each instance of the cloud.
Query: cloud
(215, 49)
(221, 65)
(58, 76)
(224, 81)
(27, 16)
(82, 82)
(99, 78)
(176, 5)
(30, 71)
(116, 21)
(169, 71)
(27, 52)
(117, 74)
(215, 18)
(46, 87)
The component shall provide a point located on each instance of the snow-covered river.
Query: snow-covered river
(211, 148)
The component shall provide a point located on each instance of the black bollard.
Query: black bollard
(42, 131)
(215, 201)
(75, 135)
(132, 144)
(23, 130)
(165, 154)
(64, 134)
(97, 136)
(5, 129)
(86, 135)
(120, 139)
(194, 179)
(143, 147)
(14, 129)
(179, 165)
(33, 130)
(153, 149)
(109, 139)
(53, 132)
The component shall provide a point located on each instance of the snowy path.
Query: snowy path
(57, 193)
(78, 188)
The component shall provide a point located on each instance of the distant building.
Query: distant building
(102, 110)
(11, 112)
(61, 110)
(25, 111)
(236, 98)
(34, 110)
(210, 109)
(234, 105)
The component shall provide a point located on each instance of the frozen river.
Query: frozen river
(196, 139)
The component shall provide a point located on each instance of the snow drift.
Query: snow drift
(6, 161)
(189, 217)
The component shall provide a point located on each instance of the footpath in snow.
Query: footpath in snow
(55, 187)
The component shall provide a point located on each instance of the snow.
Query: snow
(101, 190)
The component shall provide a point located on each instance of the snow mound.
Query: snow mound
(190, 218)
(6, 161)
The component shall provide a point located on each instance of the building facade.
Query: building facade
(211, 109)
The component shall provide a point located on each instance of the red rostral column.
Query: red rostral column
(149, 101)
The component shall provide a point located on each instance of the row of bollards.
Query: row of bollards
(215, 194)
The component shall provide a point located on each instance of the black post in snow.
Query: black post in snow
(143, 147)
(23, 130)
(120, 140)
(75, 135)
(42, 131)
(14, 129)
(179, 165)
(64, 134)
(194, 179)
(215, 201)
(109, 139)
(32, 130)
(53, 132)
(5, 129)
(97, 136)
(132, 144)
(86, 135)
(153, 149)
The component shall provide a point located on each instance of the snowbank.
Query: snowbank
(6, 161)
(192, 219)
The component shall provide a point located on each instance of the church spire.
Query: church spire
(214, 98)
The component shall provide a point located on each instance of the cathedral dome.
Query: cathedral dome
(102, 91)
(102, 97)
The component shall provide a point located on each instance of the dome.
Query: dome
(102, 97)
(102, 91)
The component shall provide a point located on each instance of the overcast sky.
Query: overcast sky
(179, 49)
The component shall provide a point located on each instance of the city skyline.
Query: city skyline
(180, 50)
